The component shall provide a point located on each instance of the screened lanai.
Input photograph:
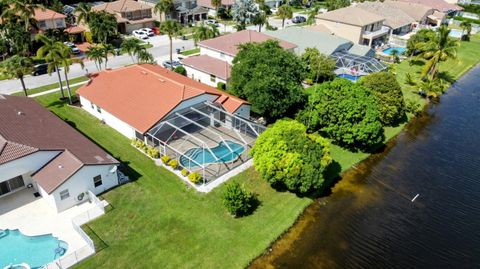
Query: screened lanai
(352, 64)
(206, 139)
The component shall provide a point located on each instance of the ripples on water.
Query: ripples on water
(370, 222)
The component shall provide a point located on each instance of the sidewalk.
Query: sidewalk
(57, 89)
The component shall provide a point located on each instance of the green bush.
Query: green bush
(173, 164)
(237, 200)
(221, 86)
(181, 70)
(308, 81)
(185, 172)
(153, 152)
(165, 159)
(89, 37)
(195, 177)
(413, 107)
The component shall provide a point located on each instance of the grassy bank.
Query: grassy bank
(157, 222)
(50, 86)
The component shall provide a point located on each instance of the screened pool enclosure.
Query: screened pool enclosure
(355, 65)
(206, 139)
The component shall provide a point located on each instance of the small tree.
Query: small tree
(269, 77)
(145, 57)
(96, 55)
(285, 12)
(237, 200)
(52, 52)
(388, 94)
(286, 156)
(65, 63)
(244, 12)
(320, 67)
(336, 4)
(345, 112)
(17, 67)
(216, 4)
(181, 70)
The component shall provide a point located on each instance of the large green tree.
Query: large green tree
(269, 77)
(17, 67)
(320, 67)
(345, 112)
(286, 156)
(172, 29)
(336, 4)
(244, 12)
(103, 26)
(84, 13)
(285, 12)
(203, 32)
(131, 46)
(388, 93)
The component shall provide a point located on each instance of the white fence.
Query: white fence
(88, 250)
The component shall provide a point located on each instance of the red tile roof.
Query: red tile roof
(47, 14)
(228, 44)
(142, 95)
(210, 65)
(27, 127)
(75, 29)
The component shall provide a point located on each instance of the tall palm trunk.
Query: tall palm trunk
(171, 48)
(68, 87)
(23, 86)
(283, 23)
(60, 82)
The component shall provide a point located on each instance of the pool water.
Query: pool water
(456, 33)
(36, 251)
(389, 51)
(204, 156)
(349, 77)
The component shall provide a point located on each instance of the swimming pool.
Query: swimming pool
(36, 251)
(389, 51)
(456, 33)
(349, 77)
(204, 156)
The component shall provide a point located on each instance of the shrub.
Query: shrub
(286, 156)
(221, 86)
(173, 164)
(195, 177)
(181, 70)
(185, 172)
(237, 200)
(89, 37)
(165, 159)
(413, 107)
(346, 112)
(388, 94)
(153, 152)
(308, 81)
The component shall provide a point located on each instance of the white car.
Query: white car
(214, 22)
(140, 34)
(72, 47)
(147, 31)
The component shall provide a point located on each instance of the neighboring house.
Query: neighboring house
(420, 13)
(49, 19)
(40, 151)
(131, 15)
(356, 24)
(218, 53)
(208, 4)
(439, 5)
(135, 99)
(185, 11)
(396, 19)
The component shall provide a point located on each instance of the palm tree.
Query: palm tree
(285, 12)
(203, 32)
(84, 13)
(172, 29)
(51, 51)
(440, 49)
(312, 13)
(466, 28)
(432, 87)
(17, 67)
(103, 25)
(216, 4)
(395, 53)
(131, 46)
(95, 54)
(25, 9)
(107, 49)
(66, 62)
(145, 57)
(163, 6)
(261, 20)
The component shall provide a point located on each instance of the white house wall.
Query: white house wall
(26, 165)
(202, 76)
(81, 182)
(108, 118)
(216, 54)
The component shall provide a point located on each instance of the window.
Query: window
(59, 23)
(92, 105)
(97, 181)
(99, 110)
(11, 185)
(64, 194)
(42, 24)
(213, 78)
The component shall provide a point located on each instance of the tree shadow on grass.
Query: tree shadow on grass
(446, 76)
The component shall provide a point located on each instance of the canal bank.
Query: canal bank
(369, 220)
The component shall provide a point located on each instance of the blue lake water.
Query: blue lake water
(16, 248)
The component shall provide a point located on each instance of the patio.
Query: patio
(33, 216)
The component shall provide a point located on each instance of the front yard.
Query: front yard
(157, 222)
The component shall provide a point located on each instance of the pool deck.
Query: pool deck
(33, 216)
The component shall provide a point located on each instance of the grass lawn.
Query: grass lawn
(157, 222)
(190, 52)
(50, 86)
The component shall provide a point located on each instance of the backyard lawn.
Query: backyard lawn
(157, 222)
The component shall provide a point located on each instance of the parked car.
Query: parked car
(147, 31)
(140, 34)
(214, 22)
(175, 64)
(274, 10)
(40, 69)
(72, 47)
(299, 19)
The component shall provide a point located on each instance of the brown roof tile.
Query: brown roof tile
(210, 65)
(351, 15)
(228, 44)
(47, 14)
(121, 6)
